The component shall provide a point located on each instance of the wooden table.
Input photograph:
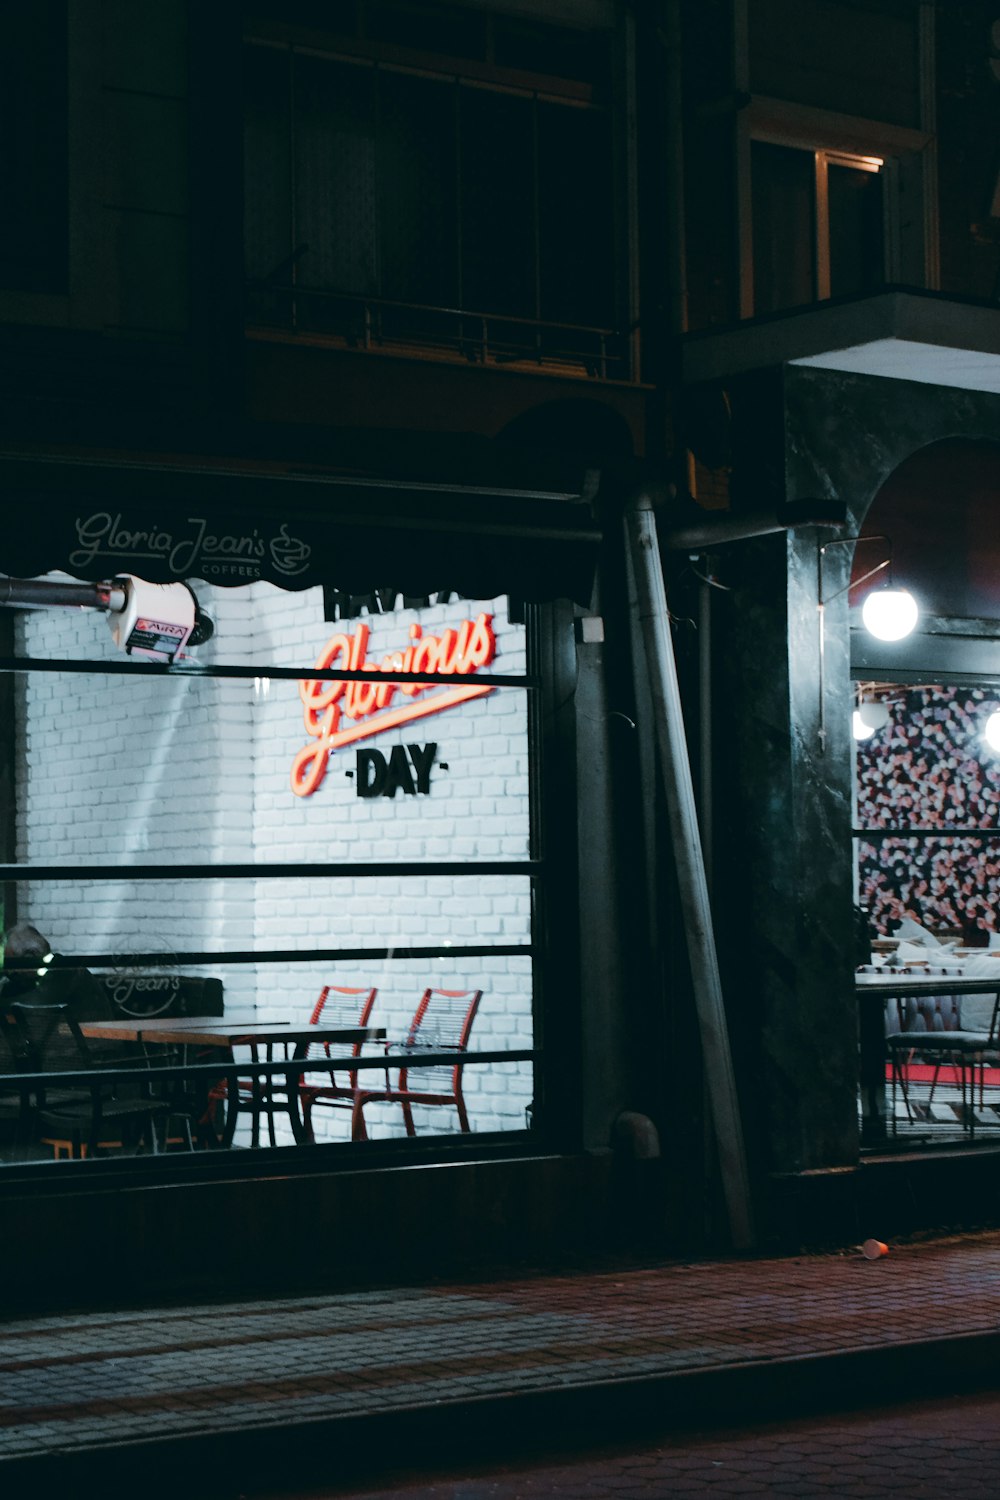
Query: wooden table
(211, 1033)
(872, 991)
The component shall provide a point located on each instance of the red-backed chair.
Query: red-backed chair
(338, 1005)
(441, 1023)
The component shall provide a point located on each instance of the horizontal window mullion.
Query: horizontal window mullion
(299, 871)
(161, 960)
(155, 1073)
(873, 834)
(257, 671)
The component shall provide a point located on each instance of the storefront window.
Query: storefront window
(931, 781)
(927, 886)
(247, 838)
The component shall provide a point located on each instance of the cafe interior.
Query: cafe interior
(173, 944)
(926, 806)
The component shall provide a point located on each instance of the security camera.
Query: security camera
(157, 619)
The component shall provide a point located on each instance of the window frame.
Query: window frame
(297, 40)
(905, 158)
(550, 865)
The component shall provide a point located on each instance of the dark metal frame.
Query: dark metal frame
(554, 918)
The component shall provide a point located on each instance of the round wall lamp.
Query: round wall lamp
(991, 731)
(890, 614)
(873, 713)
(870, 715)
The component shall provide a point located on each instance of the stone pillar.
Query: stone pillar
(783, 853)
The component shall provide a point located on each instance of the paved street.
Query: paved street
(346, 1388)
(942, 1448)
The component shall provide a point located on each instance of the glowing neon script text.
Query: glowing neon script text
(367, 705)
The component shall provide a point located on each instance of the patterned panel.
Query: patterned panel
(931, 770)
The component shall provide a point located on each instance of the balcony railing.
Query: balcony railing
(450, 333)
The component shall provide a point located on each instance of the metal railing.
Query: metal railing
(484, 338)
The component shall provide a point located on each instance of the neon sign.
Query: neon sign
(338, 713)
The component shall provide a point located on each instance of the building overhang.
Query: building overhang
(352, 511)
(896, 335)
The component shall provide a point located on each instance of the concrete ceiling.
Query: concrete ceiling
(895, 335)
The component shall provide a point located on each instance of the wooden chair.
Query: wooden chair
(442, 1022)
(338, 1005)
(83, 1119)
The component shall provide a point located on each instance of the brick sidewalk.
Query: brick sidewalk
(225, 1384)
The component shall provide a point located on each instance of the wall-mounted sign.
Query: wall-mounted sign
(407, 768)
(187, 547)
(339, 713)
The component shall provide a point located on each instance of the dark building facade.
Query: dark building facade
(419, 306)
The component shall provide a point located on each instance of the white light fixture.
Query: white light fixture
(991, 731)
(859, 728)
(890, 614)
(873, 713)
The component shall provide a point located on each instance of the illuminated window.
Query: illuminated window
(817, 225)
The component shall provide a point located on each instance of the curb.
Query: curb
(376, 1446)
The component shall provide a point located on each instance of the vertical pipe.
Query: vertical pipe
(651, 607)
(627, 200)
(536, 212)
(705, 724)
(293, 189)
(459, 246)
(673, 173)
(8, 774)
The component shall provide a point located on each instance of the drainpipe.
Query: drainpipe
(651, 609)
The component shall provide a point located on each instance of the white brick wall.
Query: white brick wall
(181, 770)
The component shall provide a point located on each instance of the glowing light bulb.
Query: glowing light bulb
(890, 614)
(874, 713)
(991, 731)
(860, 729)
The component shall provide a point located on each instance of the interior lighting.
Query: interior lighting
(873, 713)
(860, 729)
(991, 731)
(890, 614)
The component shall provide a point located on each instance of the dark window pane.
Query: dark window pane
(556, 50)
(34, 159)
(855, 58)
(576, 212)
(339, 16)
(267, 208)
(856, 237)
(498, 203)
(784, 261)
(417, 155)
(335, 189)
(427, 28)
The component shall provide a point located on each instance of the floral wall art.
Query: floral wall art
(931, 774)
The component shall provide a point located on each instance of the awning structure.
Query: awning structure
(481, 522)
(896, 334)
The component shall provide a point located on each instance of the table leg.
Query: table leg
(871, 1044)
(300, 1130)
